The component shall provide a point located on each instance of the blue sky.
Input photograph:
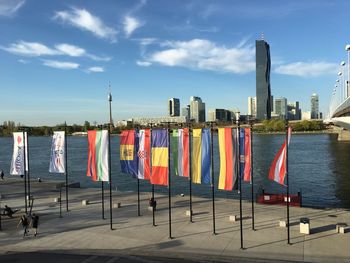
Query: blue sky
(58, 57)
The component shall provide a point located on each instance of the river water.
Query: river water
(318, 167)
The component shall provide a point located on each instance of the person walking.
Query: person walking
(35, 223)
(2, 174)
(24, 222)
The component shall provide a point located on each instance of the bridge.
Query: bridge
(339, 106)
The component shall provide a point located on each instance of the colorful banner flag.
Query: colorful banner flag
(245, 154)
(160, 158)
(227, 148)
(144, 154)
(278, 167)
(98, 168)
(128, 158)
(57, 160)
(180, 152)
(17, 163)
(201, 156)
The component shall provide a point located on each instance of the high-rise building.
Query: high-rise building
(263, 90)
(294, 111)
(280, 107)
(219, 115)
(185, 111)
(252, 106)
(197, 109)
(174, 107)
(314, 106)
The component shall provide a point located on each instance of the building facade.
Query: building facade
(314, 106)
(280, 107)
(197, 109)
(294, 111)
(263, 90)
(252, 106)
(185, 111)
(174, 107)
(219, 115)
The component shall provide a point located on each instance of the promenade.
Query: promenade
(81, 235)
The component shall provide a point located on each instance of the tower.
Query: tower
(263, 90)
(174, 107)
(314, 106)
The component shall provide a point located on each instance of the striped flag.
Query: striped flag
(278, 167)
(128, 160)
(180, 151)
(227, 148)
(144, 154)
(201, 156)
(160, 158)
(57, 163)
(245, 154)
(98, 168)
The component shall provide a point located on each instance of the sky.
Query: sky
(59, 59)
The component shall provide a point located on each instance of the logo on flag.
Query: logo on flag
(57, 164)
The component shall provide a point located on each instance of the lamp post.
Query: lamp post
(342, 64)
(341, 80)
(347, 48)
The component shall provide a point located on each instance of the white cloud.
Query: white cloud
(143, 63)
(147, 41)
(130, 25)
(95, 69)
(201, 54)
(84, 20)
(10, 7)
(70, 50)
(23, 61)
(60, 64)
(307, 69)
(33, 49)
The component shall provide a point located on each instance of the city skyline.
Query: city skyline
(57, 64)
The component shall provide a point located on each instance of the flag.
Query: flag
(278, 166)
(144, 154)
(201, 156)
(245, 154)
(160, 158)
(17, 163)
(227, 148)
(180, 152)
(128, 160)
(98, 168)
(57, 161)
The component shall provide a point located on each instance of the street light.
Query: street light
(347, 48)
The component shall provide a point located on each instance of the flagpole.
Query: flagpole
(138, 197)
(169, 181)
(212, 174)
(190, 177)
(25, 172)
(240, 179)
(153, 207)
(287, 175)
(103, 200)
(109, 159)
(66, 162)
(27, 164)
(252, 173)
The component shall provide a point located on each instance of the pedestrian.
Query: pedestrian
(35, 223)
(24, 222)
(2, 174)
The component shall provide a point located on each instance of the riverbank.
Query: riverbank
(82, 231)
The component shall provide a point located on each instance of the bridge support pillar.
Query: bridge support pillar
(344, 135)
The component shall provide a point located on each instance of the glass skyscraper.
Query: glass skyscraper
(263, 90)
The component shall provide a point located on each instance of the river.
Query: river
(319, 167)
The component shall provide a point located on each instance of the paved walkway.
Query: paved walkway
(83, 236)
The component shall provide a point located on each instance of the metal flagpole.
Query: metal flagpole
(153, 206)
(212, 174)
(138, 197)
(27, 165)
(103, 200)
(252, 173)
(25, 172)
(190, 177)
(240, 180)
(60, 201)
(288, 229)
(109, 159)
(66, 162)
(169, 182)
